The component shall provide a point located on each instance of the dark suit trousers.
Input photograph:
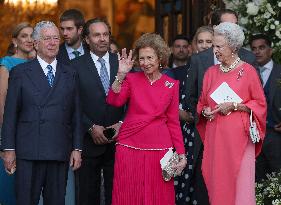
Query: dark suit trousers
(32, 177)
(89, 176)
(269, 159)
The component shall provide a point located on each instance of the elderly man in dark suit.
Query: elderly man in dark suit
(71, 28)
(97, 70)
(270, 158)
(41, 132)
(199, 63)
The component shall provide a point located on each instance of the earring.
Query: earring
(232, 55)
(16, 45)
(160, 66)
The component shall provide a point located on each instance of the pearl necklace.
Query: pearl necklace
(232, 66)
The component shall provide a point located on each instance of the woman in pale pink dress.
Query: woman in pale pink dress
(228, 164)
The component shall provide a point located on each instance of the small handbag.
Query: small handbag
(169, 160)
(254, 132)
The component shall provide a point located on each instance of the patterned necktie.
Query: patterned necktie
(76, 53)
(262, 69)
(104, 75)
(50, 75)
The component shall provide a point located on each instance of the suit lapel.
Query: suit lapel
(38, 79)
(113, 67)
(94, 72)
(274, 75)
(209, 58)
(64, 53)
(59, 80)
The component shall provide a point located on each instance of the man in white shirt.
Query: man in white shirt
(42, 122)
(71, 28)
(181, 50)
(97, 70)
(270, 158)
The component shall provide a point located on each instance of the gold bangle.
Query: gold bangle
(118, 81)
(182, 157)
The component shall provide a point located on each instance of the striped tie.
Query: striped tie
(104, 75)
(50, 75)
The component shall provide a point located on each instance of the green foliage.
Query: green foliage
(260, 16)
(269, 191)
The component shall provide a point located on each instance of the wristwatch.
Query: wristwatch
(235, 104)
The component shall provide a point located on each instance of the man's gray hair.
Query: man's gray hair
(36, 35)
(232, 33)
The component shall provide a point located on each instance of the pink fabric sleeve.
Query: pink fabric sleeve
(201, 121)
(173, 122)
(119, 99)
(258, 105)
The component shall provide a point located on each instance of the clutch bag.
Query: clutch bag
(169, 160)
(254, 132)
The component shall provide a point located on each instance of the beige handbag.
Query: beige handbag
(254, 132)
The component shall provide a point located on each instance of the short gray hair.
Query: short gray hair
(232, 33)
(36, 35)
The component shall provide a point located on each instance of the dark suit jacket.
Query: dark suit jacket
(63, 55)
(40, 122)
(199, 63)
(274, 103)
(93, 99)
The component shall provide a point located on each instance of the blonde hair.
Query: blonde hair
(18, 28)
(203, 29)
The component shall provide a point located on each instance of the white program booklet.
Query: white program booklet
(164, 161)
(224, 93)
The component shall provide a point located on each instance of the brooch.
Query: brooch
(240, 73)
(168, 84)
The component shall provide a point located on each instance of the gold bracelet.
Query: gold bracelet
(182, 157)
(118, 81)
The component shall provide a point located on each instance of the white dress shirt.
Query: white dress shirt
(44, 65)
(97, 63)
(70, 51)
(265, 71)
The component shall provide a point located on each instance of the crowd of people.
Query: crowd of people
(84, 122)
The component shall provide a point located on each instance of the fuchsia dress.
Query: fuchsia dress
(228, 164)
(150, 128)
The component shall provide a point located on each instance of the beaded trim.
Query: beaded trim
(143, 149)
(227, 69)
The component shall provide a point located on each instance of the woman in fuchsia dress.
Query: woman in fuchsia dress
(150, 128)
